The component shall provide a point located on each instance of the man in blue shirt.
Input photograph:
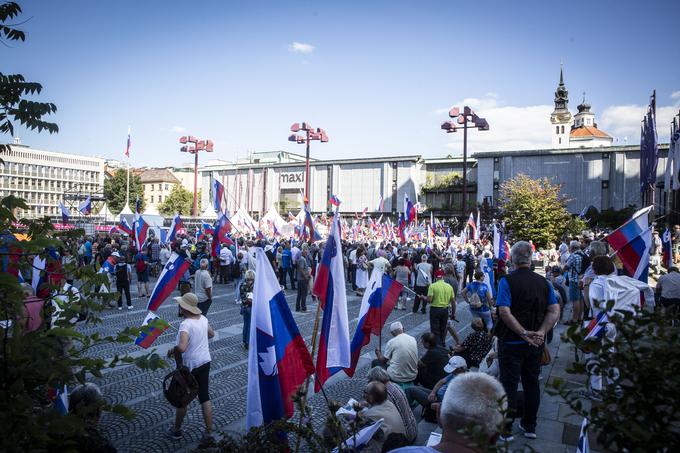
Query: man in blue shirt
(527, 309)
(287, 266)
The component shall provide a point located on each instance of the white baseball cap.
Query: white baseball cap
(455, 362)
(396, 326)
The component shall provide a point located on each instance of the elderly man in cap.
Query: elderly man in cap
(426, 397)
(401, 356)
(192, 346)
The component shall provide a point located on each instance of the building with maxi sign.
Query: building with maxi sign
(258, 184)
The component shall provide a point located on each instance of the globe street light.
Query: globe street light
(467, 119)
(310, 134)
(193, 146)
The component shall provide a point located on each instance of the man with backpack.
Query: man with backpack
(142, 271)
(123, 277)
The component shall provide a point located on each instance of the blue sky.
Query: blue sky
(378, 76)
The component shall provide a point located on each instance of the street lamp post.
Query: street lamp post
(192, 145)
(467, 119)
(310, 134)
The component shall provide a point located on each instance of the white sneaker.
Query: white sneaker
(129, 307)
(120, 308)
(527, 434)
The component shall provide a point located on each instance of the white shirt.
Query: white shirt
(165, 256)
(624, 291)
(670, 285)
(198, 352)
(226, 257)
(70, 294)
(202, 281)
(353, 257)
(379, 264)
(402, 352)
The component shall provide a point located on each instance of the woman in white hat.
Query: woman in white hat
(192, 345)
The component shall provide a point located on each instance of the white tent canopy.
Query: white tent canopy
(243, 222)
(126, 210)
(106, 213)
(209, 213)
(273, 216)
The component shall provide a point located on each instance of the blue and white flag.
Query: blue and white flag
(329, 286)
(278, 359)
(176, 225)
(86, 206)
(65, 214)
(61, 402)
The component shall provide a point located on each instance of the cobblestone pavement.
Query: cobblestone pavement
(141, 390)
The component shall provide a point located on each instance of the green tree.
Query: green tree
(14, 89)
(180, 201)
(639, 409)
(533, 209)
(115, 189)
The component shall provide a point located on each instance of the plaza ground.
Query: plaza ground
(141, 390)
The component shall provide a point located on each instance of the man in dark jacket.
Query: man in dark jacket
(528, 309)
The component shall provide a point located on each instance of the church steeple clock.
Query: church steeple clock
(561, 117)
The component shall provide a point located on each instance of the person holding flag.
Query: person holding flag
(192, 351)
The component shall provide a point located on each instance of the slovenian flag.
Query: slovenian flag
(597, 326)
(329, 287)
(631, 242)
(129, 143)
(85, 207)
(666, 244)
(218, 195)
(152, 328)
(141, 232)
(222, 229)
(125, 227)
(174, 228)
(335, 201)
(308, 231)
(109, 266)
(64, 213)
(472, 224)
(379, 208)
(409, 210)
(173, 271)
(379, 299)
(278, 359)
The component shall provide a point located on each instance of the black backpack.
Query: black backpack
(585, 262)
(180, 387)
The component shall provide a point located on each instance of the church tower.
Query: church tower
(561, 117)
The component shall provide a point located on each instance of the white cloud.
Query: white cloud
(675, 95)
(529, 127)
(300, 47)
(178, 129)
(510, 127)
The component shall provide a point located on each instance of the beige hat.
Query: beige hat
(189, 302)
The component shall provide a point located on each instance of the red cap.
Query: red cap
(439, 273)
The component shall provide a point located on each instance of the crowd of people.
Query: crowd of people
(513, 309)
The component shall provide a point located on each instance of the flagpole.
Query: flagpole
(127, 191)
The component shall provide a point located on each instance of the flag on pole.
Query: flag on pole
(379, 208)
(376, 305)
(675, 145)
(473, 225)
(329, 287)
(152, 328)
(141, 232)
(222, 229)
(632, 241)
(86, 206)
(666, 244)
(649, 147)
(61, 401)
(335, 201)
(65, 214)
(218, 195)
(479, 227)
(127, 147)
(173, 271)
(174, 228)
(409, 210)
(125, 227)
(278, 359)
(583, 444)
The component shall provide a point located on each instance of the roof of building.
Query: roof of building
(575, 150)
(587, 132)
(415, 158)
(158, 175)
